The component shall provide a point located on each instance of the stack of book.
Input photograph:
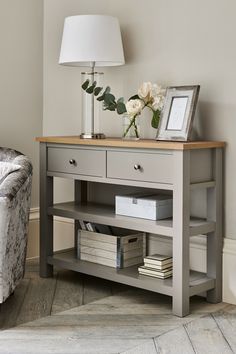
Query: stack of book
(157, 265)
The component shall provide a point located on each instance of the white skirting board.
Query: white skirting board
(64, 231)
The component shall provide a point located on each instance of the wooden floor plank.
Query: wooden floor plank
(21, 341)
(32, 265)
(10, 309)
(38, 299)
(95, 289)
(115, 319)
(226, 320)
(118, 327)
(199, 305)
(69, 291)
(117, 288)
(174, 342)
(139, 296)
(148, 347)
(206, 338)
(118, 316)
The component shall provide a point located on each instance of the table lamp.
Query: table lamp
(91, 41)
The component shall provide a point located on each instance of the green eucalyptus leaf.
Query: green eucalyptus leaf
(155, 119)
(101, 98)
(111, 107)
(91, 88)
(135, 97)
(107, 89)
(121, 108)
(121, 99)
(85, 84)
(109, 98)
(97, 90)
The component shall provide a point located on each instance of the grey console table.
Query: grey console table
(173, 166)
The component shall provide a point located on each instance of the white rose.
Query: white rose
(134, 107)
(157, 90)
(158, 103)
(145, 90)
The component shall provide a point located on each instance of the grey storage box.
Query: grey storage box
(152, 207)
(113, 251)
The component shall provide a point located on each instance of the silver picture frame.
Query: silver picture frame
(178, 113)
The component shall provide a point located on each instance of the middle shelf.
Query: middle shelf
(105, 214)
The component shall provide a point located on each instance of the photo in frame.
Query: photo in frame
(178, 113)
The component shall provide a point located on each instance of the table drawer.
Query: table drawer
(77, 161)
(138, 166)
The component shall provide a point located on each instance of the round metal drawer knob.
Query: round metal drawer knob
(72, 162)
(137, 167)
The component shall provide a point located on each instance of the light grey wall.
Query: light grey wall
(21, 73)
(171, 42)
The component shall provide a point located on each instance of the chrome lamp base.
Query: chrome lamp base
(93, 136)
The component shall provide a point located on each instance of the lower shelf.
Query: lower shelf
(199, 282)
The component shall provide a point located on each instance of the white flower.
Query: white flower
(157, 90)
(158, 103)
(145, 90)
(134, 107)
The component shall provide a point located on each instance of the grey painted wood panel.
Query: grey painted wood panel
(201, 166)
(153, 167)
(104, 180)
(214, 239)
(181, 218)
(172, 169)
(83, 162)
(80, 196)
(46, 221)
(128, 275)
(105, 214)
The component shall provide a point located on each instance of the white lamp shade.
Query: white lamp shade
(91, 38)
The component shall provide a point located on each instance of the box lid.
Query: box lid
(145, 199)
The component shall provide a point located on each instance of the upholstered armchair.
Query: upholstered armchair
(15, 190)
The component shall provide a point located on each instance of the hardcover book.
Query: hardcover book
(155, 273)
(158, 266)
(158, 259)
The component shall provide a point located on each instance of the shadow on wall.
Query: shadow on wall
(215, 120)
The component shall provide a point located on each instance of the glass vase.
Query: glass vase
(131, 127)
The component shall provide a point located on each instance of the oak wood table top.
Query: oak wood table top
(142, 143)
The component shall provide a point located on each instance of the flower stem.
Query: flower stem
(136, 130)
(132, 122)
